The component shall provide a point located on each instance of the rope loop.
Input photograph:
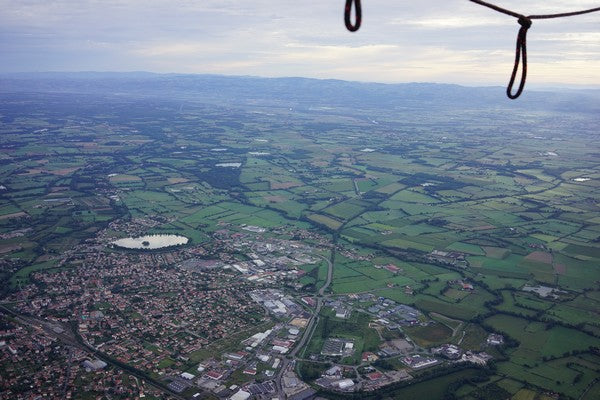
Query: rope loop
(525, 23)
(357, 15)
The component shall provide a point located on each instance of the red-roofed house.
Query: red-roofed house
(214, 375)
(373, 376)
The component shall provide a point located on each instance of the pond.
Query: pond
(151, 242)
(229, 164)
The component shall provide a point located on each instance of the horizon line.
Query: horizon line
(537, 86)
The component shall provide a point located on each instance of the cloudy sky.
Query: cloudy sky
(452, 41)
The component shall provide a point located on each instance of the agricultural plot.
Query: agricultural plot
(435, 388)
(570, 375)
(152, 203)
(347, 210)
(428, 194)
(539, 342)
(325, 221)
(431, 335)
(466, 248)
(280, 200)
(462, 311)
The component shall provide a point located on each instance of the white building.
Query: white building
(240, 395)
(344, 384)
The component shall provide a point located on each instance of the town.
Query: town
(162, 320)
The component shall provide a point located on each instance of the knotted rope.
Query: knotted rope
(521, 50)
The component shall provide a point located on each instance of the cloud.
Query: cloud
(451, 22)
(179, 49)
(438, 40)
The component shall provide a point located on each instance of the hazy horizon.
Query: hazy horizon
(532, 86)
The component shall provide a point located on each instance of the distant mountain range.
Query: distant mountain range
(299, 92)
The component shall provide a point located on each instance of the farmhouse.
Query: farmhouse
(495, 340)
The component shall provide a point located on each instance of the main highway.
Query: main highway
(288, 361)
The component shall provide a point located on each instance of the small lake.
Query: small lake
(229, 164)
(151, 242)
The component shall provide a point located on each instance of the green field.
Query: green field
(450, 209)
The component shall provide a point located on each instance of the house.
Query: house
(495, 340)
(214, 375)
(369, 357)
(393, 269)
(373, 376)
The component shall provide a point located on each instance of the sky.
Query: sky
(449, 41)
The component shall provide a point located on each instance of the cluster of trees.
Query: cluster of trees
(310, 371)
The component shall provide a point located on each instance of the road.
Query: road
(308, 331)
(329, 274)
